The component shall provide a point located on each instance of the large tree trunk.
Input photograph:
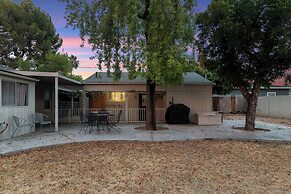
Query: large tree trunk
(151, 108)
(252, 101)
(251, 113)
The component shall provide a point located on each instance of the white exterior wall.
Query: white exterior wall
(197, 97)
(274, 106)
(24, 112)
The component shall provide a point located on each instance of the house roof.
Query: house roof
(43, 75)
(102, 78)
(281, 82)
(16, 75)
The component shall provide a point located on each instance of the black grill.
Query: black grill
(177, 114)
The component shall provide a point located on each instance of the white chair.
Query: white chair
(40, 118)
(20, 123)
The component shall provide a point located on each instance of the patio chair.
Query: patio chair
(3, 127)
(20, 123)
(40, 118)
(84, 122)
(114, 120)
(92, 122)
(103, 120)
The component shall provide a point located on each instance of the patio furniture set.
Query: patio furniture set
(37, 118)
(100, 120)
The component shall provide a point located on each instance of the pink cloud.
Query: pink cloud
(79, 52)
(85, 62)
(73, 42)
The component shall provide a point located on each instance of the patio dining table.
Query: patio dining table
(103, 119)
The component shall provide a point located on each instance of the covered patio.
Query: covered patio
(55, 95)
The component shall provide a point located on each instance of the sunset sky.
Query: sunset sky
(71, 40)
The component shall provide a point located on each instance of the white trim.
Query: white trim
(67, 90)
(38, 73)
(56, 103)
(126, 107)
(271, 94)
(279, 87)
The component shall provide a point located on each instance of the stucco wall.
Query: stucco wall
(263, 92)
(24, 112)
(197, 97)
(274, 106)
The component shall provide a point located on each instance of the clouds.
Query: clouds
(71, 45)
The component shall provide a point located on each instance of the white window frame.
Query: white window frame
(271, 93)
(15, 92)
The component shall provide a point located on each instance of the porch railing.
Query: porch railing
(129, 115)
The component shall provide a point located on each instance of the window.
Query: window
(8, 93)
(14, 93)
(117, 96)
(271, 94)
(47, 99)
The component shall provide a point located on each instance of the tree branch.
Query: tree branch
(146, 11)
(244, 92)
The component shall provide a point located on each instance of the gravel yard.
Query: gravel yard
(135, 167)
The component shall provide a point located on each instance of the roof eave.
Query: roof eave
(16, 75)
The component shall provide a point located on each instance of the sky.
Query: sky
(71, 40)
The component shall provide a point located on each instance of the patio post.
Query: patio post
(126, 107)
(84, 101)
(71, 109)
(56, 103)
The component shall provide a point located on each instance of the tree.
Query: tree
(26, 33)
(58, 62)
(248, 43)
(147, 38)
(220, 86)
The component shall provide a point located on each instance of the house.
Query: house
(17, 97)
(280, 87)
(24, 93)
(129, 96)
(234, 101)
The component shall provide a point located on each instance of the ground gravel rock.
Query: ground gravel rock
(135, 167)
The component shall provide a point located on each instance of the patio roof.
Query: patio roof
(49, 77)
(16, 75)
(102, 78)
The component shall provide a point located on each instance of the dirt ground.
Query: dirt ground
(135, 167)
(286, 122)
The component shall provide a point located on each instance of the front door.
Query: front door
(142, 107)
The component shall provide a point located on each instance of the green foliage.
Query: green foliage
(58, 62)
(220, 86)
(247, 42)
(26, 33)
(75, 77)
(146, 37)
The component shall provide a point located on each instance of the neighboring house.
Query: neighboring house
(130, 95)
(280, 87)
(17, 97)
(234, 101)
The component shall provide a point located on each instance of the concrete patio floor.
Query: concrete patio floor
(71, 134)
